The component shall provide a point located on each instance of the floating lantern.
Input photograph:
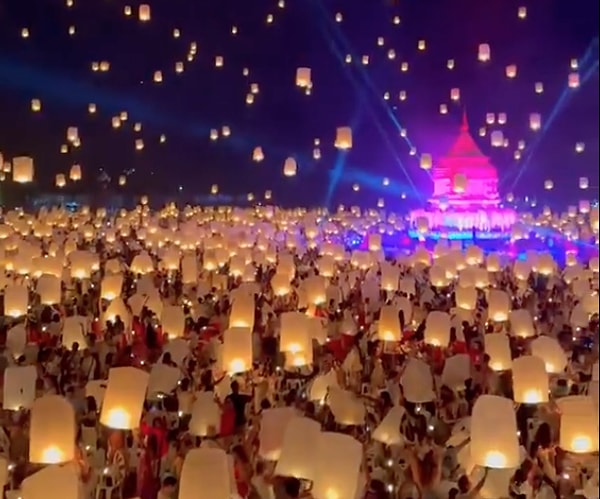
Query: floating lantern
(303, 77)
(122, 180)
(498, 449)
(237, 350)
(535, 121)
(219, 61)
(530, 380)
(206, 475)
(242, 311)
(579, 147)
(522, 12)
(521, 323)
(144, 13)
(502, 118)
(158, 77)
(548, 185)
(539, 87)
(75, 173)
(290, 167)
(455, 94)
(573, 80)
(497, 138)
(124, 398)
(300, 438)
(343, 138)
(511, 71)
(498, 348)
(60, 180)
(484, 53)
(584, 183)
(426, 161)
(36, 105)
(16, 300)
(578, 424)
(52, 431)
(22, 168)
(443, 109)
(388, 328)
(337, 457)
(437, 329)
(550, 351)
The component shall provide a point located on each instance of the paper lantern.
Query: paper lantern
(497, 138)
(290, 167)
(337, 465)
(459, 183)
(124, 398)
(172, 320)
(498, 348)
(437, 328)
(74, 331)
(294, 336)
(573, 80)
(206, 415)
(22, 168)
(237, 350)
(19, 390)
(303, 77)
(498, 305)
(16, 300)
(52, 482)
(455, 94)
(578, 424)
(548, 185)
(242, 311)
(343, 138)
(36, 105)
(550, 351)
(511, 71)
(388, 327)
(535, 121)
(584, 183)
(273, 425)
(60, 180)
(417, 382)
(205, 475)
(530, 380)
(258, 155)
(494, 441)
(426, 161)
(484, 53)
(466, 297)
(219, 61)
(390, 277)
(111, 286)
(52, 432)
(75, 173)
(142, 264)
(457, 369)
(521, 323)
(144, 12)
(388, 430)
(300, 439)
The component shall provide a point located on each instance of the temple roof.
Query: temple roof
(465, 146)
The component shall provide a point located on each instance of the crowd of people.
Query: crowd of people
(353, 379)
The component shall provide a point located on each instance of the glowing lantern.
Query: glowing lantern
(214, 189)
(484, 53)
(511, 71)
(206, 475)
(295, 337)
(388, 328)
(206, 415)
(443, 109)
(584, 183)
(421, 45)
(48, 287)
(122, 180)
(52, 431)
(573, 80)
(497, 138)
(219, 61)
(521, 323)
(124, 398)
(426, 161)
(535, 121)
(548, 185)
(530, 380)
(111, 286)
(290, 167)
(179, 67)
(539, 87)
(498, 348)
(303, 77)
(578, 424)
(466, 297)
(157, 77)
(455, 94)
(22, 168)
(579, 147)
(437, 329)
(116, 122)
(338, 457)
(300, 439)
(60, 180)
(242, 311)
(91, 108)
(498, 305)
(16, 299)
(36, 105)
(499, 448)
(459, 183)
(144, 12)
(237, 350)
(258, 155)
(522, 12)
(550, 351)
(52, 482)
(343, 138)
(75, 173)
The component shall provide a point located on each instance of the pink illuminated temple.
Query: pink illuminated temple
(465, 190)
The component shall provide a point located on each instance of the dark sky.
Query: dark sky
(55, 67)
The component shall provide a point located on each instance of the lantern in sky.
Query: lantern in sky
(548, 185)
(343, 138)
(22, 168)
(426, 161)
(535, 121)
(421, 45)
(219, 61)
(484, 52)
(124, 398)
(36, 105)
(52, 431)
(497, 138)
(539, 87)
(579, 147)
(578, 424)
(290, 167)
(122, 180)
(530, 380)
(237, 350)
(60, 180)
(584, 183)
(144, 12)
(450, 64)
(522, 12)
(502, 118)
(490, 118)
(303, 77)
(257, 154)
(573, 80)
(443, 109)
(75, 173)
(511, 71)
(157, 77)
(455, 94)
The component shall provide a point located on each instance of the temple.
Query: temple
(465, 190)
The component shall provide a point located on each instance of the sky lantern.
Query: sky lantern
(214, 189)
(258, 154)
(573, 80)
(157, 77)
(36, 105)
(343, 138)
(60, 180)
(421, 45)
(75, 173)
(484, 53)
(579, 147)
(290, 167)
(92, 108)
(139, 144)
(548, 185)
(497, 138)
(402, 95)
(426, 162)
(502, 118)
(584, 183)
(578, 424)
(539, 87)
(490, 118)
(316, 153)
(122, 180)
(303, 77)
(219, 61)
(443, 109)
(214, 134)
(450, 63)
(124, 398)
(24, 33)
(179, 67)
(404, 67)
(511, 71)
(127, 10)
(522, 12)
(225, 131)
(365, 60)
(22, 168)
(339, 17)
(116, 122)
(455, 94)
(144, 12)
(535, 121)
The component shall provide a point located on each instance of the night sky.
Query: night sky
(54, 64)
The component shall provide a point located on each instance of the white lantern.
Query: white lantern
(22, 168)
(172, 320)
(75, 173)
(521, 323)
(494, 441)
(573, 80)
(294, 336)
(303, 77)
(484, 52)
(205, 475)
(290, 167)
(437, 328)
(343, 138)
(144, 12)
(52, 482)
(124, 398)
(584, 183)
(237, 350)
(300, 439)
(273, 425)
(498, 305)
(206, 415)
(52, 432)
(466, 297)
(497, 138)
(535, 121)
(111, 286)
(578, 424)
(550, 351)
(498, 348)
(258, 155)
(530, 380)
(16, 300)
(511, 71)
(388, 327)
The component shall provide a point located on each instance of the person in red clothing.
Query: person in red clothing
(227, 428)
